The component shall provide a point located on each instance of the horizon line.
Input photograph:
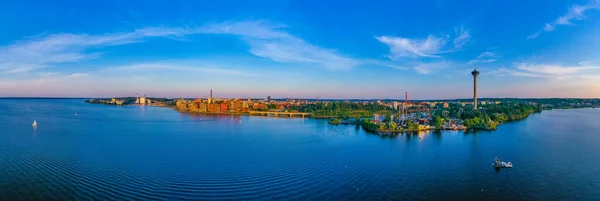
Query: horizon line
(342, 99)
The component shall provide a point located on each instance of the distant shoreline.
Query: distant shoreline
(344, 99)
(40, 98)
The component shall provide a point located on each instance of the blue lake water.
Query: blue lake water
(151, 153)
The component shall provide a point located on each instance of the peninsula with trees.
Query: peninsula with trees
(385, 117)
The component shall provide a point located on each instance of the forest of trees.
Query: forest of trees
(343, 110)
(490, 116)
(382, 127)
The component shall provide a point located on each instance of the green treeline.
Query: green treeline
(488, 117)
(382, 127)
(343, 110)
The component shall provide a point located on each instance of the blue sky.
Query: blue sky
(306, 49)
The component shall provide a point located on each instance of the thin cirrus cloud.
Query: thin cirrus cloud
(48, 50)
(430, 47)
(549, 71)
(267, 40)
(462, 37)
(485, 57)
(426, 68)
(175, 66)
(78, 75)
(576, 12)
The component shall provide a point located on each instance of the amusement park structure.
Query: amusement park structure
(417, 112)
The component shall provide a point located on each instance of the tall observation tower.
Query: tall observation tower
(475, 73)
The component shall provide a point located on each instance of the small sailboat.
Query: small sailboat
(34, 123)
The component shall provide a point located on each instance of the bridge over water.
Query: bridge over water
(291, 114)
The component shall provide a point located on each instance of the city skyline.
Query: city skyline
(301, 49)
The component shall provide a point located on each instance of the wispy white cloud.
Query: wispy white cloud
(462, 37)
(431, 46)
(585, 63)
(486, 54)
(513, 72)
(47, 74)
(386, 64)
(550, 71)
(78, 75)
(427, 68)
(404, 47)
(269, 40)
(575, 12)
(179, 67)
(254, 29)
(423, 68)
(549, 27)
(534, 35)
(485, 57)
(47, 50)
(266, 39)
(555, 70)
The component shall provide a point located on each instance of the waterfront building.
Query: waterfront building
(193, 106)
(182, 105)
(203, 107)
(210, 99)
(238, 105)
(224, 107)
(142, 100)
(213, 107)
(259, 106)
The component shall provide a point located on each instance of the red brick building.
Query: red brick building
(224, 107)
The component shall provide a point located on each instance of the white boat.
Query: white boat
(34, 123)
(501, 164)
(497, 163)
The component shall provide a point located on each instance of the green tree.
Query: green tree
(387, 118)
(392, 125)
(437, 121)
